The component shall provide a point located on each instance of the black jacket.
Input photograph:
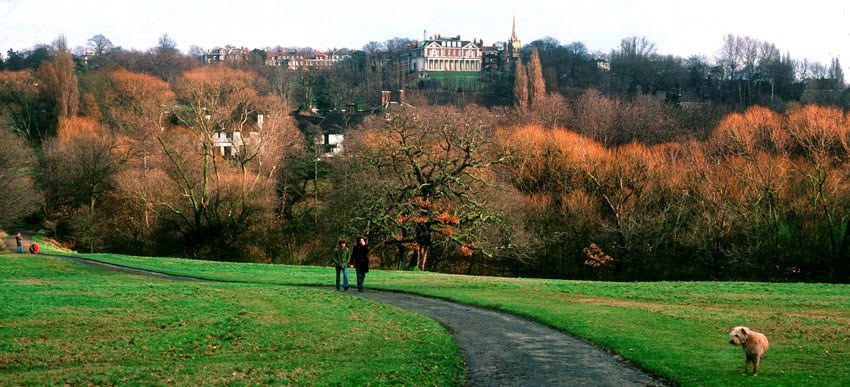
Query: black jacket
(360, 257)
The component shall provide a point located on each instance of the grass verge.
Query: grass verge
(677, 330)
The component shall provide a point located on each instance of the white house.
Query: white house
(445, 54)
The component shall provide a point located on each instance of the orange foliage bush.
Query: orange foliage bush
(821, 134)
(75, 127)
(596, 257)
(757, 129)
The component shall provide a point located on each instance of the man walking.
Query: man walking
(341, 257)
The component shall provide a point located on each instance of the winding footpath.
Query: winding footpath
(499, 349)
(505, 350)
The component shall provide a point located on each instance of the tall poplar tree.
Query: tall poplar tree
(520, 86)
(535, 73)
(836, 73)
(61, 80)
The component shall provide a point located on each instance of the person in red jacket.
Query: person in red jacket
(34, 248)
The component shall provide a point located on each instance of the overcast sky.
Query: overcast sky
(817, 30)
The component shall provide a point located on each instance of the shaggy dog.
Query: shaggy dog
(753, 343)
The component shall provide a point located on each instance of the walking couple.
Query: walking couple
(357, 257)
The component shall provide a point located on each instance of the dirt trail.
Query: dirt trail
(499, 349)
(9, 240)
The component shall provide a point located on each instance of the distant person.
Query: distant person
(341, 258)
(19, 242)
(360, 256)
(34, 248)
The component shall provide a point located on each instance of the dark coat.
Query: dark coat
(360, 257)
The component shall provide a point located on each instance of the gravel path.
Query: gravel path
(505, 350)
(499, 349)
(11, 245)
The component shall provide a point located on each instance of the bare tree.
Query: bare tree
(836, 73)
(100, 44)
(219, 192)
(727, 57)
(632, 63)
(19, 196)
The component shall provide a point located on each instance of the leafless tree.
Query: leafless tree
(20, 196)
(100, 44)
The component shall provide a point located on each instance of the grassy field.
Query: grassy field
(66, 324)
(678, 330)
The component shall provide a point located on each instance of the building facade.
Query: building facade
(439, 54)
(295, 60)
(225, 54)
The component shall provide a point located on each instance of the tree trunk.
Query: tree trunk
(842, 270)
(422, 252)
(423, 244)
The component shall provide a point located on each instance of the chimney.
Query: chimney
(401, 96)
(385, 97)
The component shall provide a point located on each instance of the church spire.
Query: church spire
(515, 45)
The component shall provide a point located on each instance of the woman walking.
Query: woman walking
(360, 256)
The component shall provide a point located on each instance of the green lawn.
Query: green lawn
(678, 330)
(66, 324)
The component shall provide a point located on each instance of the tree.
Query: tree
(77, 173)
(166, 44)
(398, 45)
(836, 73)
(60, 80)
(137, 107)
(595, 117)
(631, 63)
(535, 75)
(418, 178)
(23, 105)
(14, 61)
(19, 198)
(521, 92)
(374, 47)
(100, 44)
(164, 60)
(219, 194)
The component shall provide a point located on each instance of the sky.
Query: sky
(816, 30)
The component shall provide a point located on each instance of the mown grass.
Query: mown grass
(62, 323)
(677, 330)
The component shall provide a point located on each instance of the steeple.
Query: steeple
(515, 45)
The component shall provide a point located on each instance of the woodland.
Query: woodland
(659, 168)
